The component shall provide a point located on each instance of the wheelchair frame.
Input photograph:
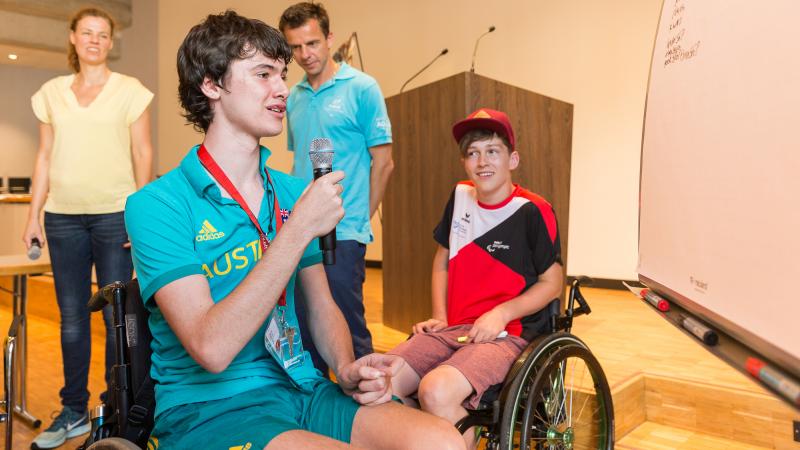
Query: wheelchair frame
(531, 411)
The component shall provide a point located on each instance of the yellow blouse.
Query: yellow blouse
(91, 168)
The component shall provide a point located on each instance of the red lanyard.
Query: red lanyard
(216, 172)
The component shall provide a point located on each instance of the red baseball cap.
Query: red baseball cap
(485, 119)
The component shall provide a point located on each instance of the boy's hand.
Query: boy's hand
(369, 379)
(429, 326)
(487, 327)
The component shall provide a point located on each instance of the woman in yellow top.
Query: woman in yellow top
(94, 151)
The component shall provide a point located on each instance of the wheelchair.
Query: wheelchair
(555, 396)
(125, 421)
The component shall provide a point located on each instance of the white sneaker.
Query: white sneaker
(67, 424)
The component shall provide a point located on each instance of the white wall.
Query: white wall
(139, 55)
(593, 54)
(19, 132)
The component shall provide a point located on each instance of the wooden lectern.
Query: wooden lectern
(427, 166)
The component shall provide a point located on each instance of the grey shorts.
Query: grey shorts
(483, 365)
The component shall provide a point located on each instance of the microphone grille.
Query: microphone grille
(321, 145)
(34, 252)
(321, 153)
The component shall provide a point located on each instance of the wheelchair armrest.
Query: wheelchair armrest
(104, 296)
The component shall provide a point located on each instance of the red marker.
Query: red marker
(655, 300)
(774, 379)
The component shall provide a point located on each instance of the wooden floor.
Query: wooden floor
(661, 378)
(45, 376)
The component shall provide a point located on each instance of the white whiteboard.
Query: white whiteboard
(720, 179)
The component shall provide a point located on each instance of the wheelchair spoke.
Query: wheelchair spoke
(562, 410)
(571, 391)
(585, 402)
(541, 419)
(555, 404)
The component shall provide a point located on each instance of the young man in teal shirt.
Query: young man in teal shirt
(218, 244)
(338, 102)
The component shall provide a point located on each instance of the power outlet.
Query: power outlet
(796, 426)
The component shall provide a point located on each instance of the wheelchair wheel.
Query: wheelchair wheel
(113, 444)
(560, 400)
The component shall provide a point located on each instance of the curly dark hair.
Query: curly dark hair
(296, 15)
(208, 51)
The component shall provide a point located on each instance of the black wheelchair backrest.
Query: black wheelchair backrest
(132, 399)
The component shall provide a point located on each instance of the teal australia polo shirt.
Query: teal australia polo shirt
(348, 109)
(180, 225)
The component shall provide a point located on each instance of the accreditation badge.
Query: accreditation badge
(283, 341)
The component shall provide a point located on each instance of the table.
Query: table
(15, 350)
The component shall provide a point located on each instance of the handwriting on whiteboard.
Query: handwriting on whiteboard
(676, 51)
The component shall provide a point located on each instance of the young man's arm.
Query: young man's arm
(373, 121)
(382, 167)
(536, 297)
(142, 149)
(364, 379)
(214, 333)
(329, 330)
(438, 321)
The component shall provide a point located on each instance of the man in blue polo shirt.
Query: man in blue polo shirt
(218, 244)
(338, 102)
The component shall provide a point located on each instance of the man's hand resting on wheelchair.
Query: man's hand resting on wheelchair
(429, 326)
(369, 379)
(488, 326)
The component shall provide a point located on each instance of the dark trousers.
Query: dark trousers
(78, 241)
(346, 280)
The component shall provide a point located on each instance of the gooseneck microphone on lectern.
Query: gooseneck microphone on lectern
(475, 51)
(36, 249)
(442, 53)
(321, 154)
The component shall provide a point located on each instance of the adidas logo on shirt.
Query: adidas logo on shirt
(208, 233)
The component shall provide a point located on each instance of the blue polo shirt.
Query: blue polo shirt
(180, 225)
(349, 110)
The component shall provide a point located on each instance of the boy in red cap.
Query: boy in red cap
(496, 269)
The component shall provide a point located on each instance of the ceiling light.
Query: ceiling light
(12, 56)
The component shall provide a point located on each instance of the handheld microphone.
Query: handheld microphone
(475, 52)
(36, 249)
(321, 154)
(442, 53)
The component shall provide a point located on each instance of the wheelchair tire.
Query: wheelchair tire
(113, 444)
(537, 412)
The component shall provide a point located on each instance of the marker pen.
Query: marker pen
(501, 335)
(705, 334)
(655, 300)
(774, 379)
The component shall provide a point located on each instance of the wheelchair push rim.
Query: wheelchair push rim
(564, 402)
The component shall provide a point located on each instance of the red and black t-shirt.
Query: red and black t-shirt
(496, 253)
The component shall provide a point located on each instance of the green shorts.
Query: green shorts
(249, 421)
